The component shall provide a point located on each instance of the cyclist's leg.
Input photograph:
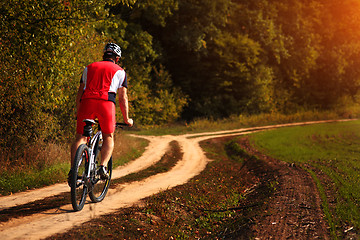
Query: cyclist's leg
(75, 145)
(79, 139)
(107, 148)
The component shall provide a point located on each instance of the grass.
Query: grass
(255, 120)
(331, 153)
(127, 148)
(21, 180)
(165, 164)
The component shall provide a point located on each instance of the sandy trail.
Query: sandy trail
(47, 223)
(154, 151)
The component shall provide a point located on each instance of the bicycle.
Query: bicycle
(84, 178)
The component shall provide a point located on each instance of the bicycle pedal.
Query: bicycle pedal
(104, 175)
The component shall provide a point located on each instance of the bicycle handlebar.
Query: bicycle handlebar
(119, 125)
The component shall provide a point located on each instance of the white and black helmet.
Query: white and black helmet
(113, 48)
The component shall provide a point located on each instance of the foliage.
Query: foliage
(44, 48)
(184, 59)
(39, 67)
(255, 56)
(153, 98)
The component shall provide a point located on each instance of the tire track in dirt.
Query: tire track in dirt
(44, 224)
(294, 210)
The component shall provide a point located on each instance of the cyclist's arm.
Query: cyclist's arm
(78, 97)
(124, 105)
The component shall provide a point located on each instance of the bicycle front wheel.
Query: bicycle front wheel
(100, 187)
(78, 177)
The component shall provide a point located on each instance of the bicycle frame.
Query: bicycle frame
(87, 180)
(92, 143)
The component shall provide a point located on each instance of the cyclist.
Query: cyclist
(99, 84)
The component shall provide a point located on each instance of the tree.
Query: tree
(39, 67)
(214, 60)
(153, 97)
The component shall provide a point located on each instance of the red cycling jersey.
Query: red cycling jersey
(102, 80)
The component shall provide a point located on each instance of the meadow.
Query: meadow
(330, 152)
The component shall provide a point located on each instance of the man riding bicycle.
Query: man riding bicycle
(96, 95)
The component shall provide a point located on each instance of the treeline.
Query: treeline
(239, 56)
(184, 58)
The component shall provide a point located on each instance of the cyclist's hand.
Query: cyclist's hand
(130, 122)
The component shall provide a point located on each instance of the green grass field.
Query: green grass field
(331, 153)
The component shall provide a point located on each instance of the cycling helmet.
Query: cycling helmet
(113, 48)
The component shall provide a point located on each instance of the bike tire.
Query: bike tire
(100, 187)
(78, 177)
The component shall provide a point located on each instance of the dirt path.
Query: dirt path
(47, 223)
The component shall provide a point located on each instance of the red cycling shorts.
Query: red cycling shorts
(103, 110)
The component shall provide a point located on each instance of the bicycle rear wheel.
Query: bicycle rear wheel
(100, 187)
(78, 178)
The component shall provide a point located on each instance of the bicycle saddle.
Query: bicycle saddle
(89, 121)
